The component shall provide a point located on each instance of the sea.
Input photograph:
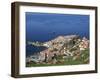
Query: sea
(44, 27)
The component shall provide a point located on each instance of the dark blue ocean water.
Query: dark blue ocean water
(46, 26)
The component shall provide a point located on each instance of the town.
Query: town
(62, 50)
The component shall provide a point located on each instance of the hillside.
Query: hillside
(69, 50)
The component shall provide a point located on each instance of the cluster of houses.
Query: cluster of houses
(61, 45)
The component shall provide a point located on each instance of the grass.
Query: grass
(83, 59)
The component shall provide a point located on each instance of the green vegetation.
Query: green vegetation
(82, 58)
